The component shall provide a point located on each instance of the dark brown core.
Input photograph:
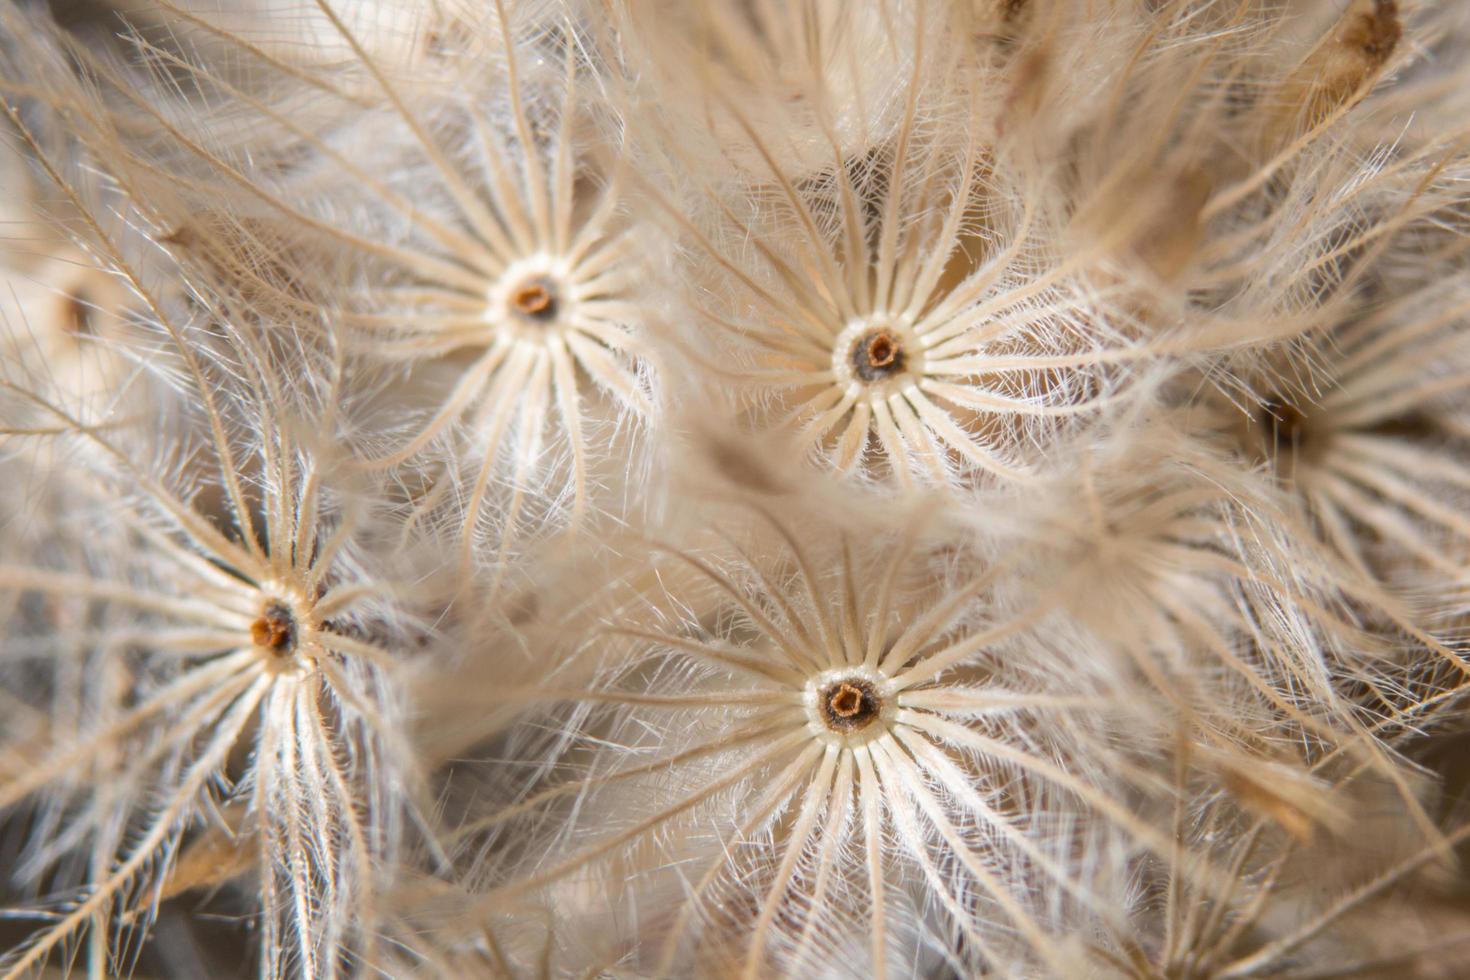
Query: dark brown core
(1283, 427)
(877, 355)
(535, 300)
(275, 630)
(850, 705)
(78, 314)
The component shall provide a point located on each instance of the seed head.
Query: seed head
(877, 356)
(275, 631)
(535, 300)
(848, 706)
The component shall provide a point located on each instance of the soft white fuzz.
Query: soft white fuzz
(734, 488)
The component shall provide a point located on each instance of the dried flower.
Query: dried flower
(411, 546)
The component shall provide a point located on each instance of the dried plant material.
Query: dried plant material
(1338, 71)
(1296, 809)
(859, 719)
(217, 857)
(734, 488)
(1165, 211)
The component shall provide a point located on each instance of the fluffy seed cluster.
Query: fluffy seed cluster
(734, 488)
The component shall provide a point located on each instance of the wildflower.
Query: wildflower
(1368, 440)
(254, 636)
(836, 751)
(1119, 629)
(427, 234)
(211, 612)
(905, 311)
(529, 281)
(1200, 583)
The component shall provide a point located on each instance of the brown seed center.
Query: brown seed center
(877, 355)
(1284, 425)
(535, 300)
(275, 630)
(78, 316)
(850, 705)
(1288, 436)
(847, 702)
(882, 351)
